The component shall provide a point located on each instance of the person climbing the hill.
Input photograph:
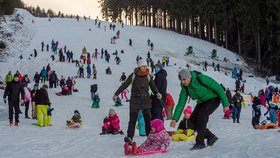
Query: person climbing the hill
(208, 94)
(13, 91)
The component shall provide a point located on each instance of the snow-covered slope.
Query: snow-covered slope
(235, 140)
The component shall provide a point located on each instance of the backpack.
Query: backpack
(199, 81)
(93, 88)
(149, 79)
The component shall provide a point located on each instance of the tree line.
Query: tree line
(251, 28)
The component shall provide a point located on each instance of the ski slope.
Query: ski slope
(235, 140)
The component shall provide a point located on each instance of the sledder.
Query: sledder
(185, 130)
(157, 141)
(95, 102)
(111, 124)
(76, 121)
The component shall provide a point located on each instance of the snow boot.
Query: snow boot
(127, 149)
(198, 146)
(128, 140)
(212, 140)
(134, 148)
(16, 124)
(11, 123)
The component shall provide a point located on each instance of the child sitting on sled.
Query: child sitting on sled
(76, 119)
(111, 123)
(157, 141)
(96, 100)
(185, 130)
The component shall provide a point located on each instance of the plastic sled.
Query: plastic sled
(267, 126)
(149, 153)
(74, 125)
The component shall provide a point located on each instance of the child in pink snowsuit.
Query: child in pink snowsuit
(157, 140)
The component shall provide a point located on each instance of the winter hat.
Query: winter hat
(45, 86)
(112, 112)
(157, 124)
(76, 111)
(188, 110)
(184, 74)
(142, 62)
(159, 65)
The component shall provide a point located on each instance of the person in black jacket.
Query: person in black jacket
(123, 78)
(42, 102)
(13, 91)
(53, 79)
(257, 103)
(37, 78)
(161, 84)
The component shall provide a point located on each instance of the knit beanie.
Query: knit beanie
(142, 62)
(188, 110)
(112, 112)
(184, 74)
(159, 65)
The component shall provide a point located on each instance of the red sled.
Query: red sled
(149, 153)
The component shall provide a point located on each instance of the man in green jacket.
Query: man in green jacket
(208, 94)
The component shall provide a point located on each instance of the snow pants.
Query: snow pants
(141, 123)
(42, 115)
(14, 105)
(200, 117)
(133, 115)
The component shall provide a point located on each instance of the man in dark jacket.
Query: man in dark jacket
(53, 79)
(42, 102)
(161, 84)
(37, 78)
(13, 90)
(140, 98)
(208, 94)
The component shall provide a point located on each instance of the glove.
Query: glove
(5, 100)
(115, 98)
(159, 96)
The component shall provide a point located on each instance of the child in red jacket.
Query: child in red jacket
(169, 105)
(111, 124)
